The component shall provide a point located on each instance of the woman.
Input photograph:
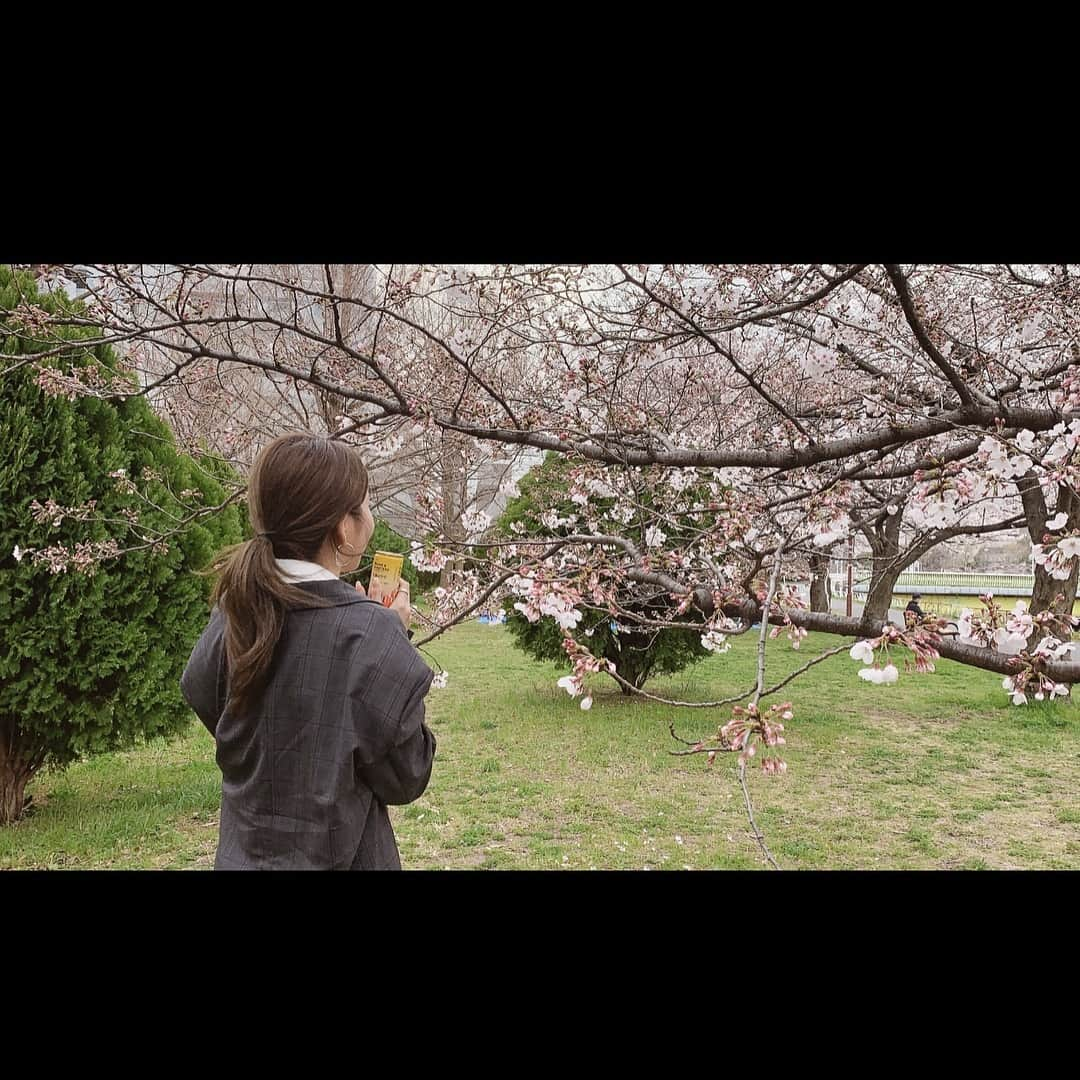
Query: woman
(312, 692)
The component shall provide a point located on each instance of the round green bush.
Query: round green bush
(637, 654)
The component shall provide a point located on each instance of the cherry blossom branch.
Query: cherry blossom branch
(750, 380)
(903, 290)
(463, 615)
(848, 626)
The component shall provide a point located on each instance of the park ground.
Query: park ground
(936, 771)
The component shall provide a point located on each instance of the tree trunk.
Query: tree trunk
(1045, 593)
(15, 773)
(879, 598)
(632, 674)
(887, 567)
(819, 582)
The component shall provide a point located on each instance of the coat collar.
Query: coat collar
(336, 591)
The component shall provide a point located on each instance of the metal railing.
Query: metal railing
(942, 583)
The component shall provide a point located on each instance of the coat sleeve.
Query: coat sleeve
(203, 682)
(401, 774)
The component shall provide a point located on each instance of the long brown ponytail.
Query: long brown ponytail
(299, 488)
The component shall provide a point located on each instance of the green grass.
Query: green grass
(935, 771)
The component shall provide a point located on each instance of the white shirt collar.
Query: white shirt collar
(299, 570)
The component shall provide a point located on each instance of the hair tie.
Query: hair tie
(264, 536)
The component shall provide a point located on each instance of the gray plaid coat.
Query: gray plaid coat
(338, 735)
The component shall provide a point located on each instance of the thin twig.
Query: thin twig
(758, 835)
(798, 671)
(682, 704)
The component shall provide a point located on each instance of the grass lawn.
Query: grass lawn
(936, 771)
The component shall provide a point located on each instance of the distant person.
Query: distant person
(913, 612)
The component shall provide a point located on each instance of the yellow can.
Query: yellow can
(385, 577)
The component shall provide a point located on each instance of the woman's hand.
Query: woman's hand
(401, 603)
(360, 589)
